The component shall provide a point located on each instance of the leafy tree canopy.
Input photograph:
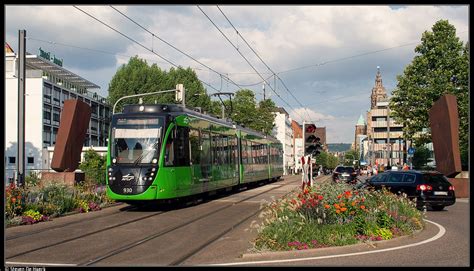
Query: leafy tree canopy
(441, 67)
(138, 77)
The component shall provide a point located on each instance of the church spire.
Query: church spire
(378, 79)
(378, 91)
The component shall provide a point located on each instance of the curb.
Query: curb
(363, 245)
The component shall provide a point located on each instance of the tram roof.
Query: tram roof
(176, 109)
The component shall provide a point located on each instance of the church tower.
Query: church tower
(378, 91)
(360, 130)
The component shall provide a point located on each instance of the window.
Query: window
(55, 133)
(11, 159)
(57, 95)
(64, 97)
(56, 115)
(30, 160)
(47, 135)
(46, 114)
(47, 92)
(379, 178)
(409, 178)
(395, 178)
(181, 147)
(195, 146)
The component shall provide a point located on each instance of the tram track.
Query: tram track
(134, 244)
(49, 248)
(30, 233)
(84, 235)
(188, 255)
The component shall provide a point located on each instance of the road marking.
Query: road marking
(40, 264)
(440, 233)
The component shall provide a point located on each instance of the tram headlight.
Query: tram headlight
(114, 160)
(153, 169)
(155, 160)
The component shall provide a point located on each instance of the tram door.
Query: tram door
(177, 156)
(199, 144)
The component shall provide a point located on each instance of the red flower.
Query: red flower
(320, 197)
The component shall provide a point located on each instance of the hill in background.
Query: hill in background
(338, 147)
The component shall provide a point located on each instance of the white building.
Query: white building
(299, 152)
(283, 132)
(47, 86)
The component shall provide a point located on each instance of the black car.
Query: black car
(430, 188)
(343, 173)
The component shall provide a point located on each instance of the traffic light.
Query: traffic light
(312, 144)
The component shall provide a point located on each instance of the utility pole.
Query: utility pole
(389, 149)
(21, 106)
(264, 90)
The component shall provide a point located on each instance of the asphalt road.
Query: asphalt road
(219, 232)
(124, 236)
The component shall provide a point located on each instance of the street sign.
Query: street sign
(411, 150)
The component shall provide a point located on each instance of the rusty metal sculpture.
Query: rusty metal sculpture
(71, 134)
(444, 123)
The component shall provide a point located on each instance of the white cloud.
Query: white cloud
(286, 37)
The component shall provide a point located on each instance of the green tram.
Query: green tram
(166, 151)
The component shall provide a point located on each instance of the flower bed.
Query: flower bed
(331, 214)
(38, 203)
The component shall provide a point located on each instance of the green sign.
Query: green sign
(47, 55)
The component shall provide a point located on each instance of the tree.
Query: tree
(94, 167)
(350, 157)
(266, 118)
(245, 108)
(441, 67)
(421, 157)
(333, 161)
(137, 77)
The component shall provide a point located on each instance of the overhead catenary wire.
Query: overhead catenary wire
(174, 47)
(264, 63)
(248, 62)
(354, 56)
(133, 40)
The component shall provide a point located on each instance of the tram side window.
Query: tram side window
(195, 146)
(181, 146)
(169, 150)
(245, 155)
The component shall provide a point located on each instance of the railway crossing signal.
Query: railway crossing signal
(312, 144)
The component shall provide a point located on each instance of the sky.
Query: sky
(319, 62)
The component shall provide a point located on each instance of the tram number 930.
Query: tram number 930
(127, 190)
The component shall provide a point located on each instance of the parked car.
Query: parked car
(343, 173)
(430, 188)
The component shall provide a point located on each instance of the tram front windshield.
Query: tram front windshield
(136, 140)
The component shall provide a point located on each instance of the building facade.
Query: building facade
(47, 86)
(384, 136)
(284, 132)
(298, 147)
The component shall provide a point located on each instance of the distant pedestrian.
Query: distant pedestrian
(374, 170)
(405, 167)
